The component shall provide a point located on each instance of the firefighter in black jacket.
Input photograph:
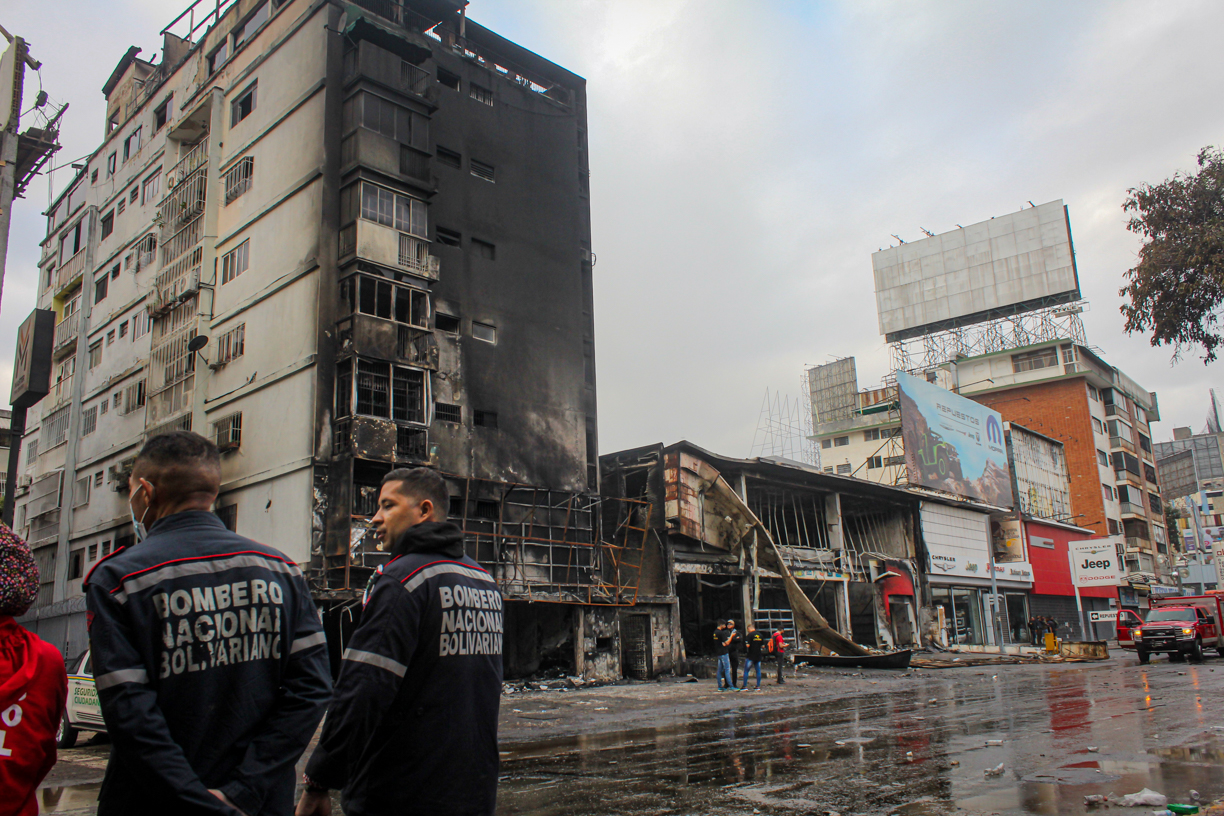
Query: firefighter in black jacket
(208, 653)
(412, 727)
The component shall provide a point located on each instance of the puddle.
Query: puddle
(69, 799)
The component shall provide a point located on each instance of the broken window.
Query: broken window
(446, 323)
(238, 179)
(481, 170)
(484, 331)
(447, 79)
(449, 157)
(242, 107)
(131, 145)
(480, 93)
(134, 397)
(449, 237)
(484, 249)
(381, 390)
(485, 419)
(161, 114)
(217, 58)
(229, 516)
(235, 262)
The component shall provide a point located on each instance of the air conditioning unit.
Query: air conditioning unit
(117, 475)
(171, 180)
(24, 480)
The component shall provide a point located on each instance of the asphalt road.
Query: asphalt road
(918, 742)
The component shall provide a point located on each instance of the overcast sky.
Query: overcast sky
(748, 157)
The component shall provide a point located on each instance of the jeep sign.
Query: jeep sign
(1095, 562)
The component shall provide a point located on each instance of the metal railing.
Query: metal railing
(1120, 442)
(1133, 509)
(66, 331)
(70, 271)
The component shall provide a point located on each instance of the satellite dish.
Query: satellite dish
(198, 342)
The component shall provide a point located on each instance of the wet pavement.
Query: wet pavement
(847, 742)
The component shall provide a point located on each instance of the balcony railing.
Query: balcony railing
(1121, 443)
(70, 271)
(1127, 476)
(1135, 543)
(1113, 409)
(66, 331)
(1133, 509)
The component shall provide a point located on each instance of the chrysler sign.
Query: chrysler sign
(1095, 562)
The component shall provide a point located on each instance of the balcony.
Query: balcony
(1114, 410)
(1128, 477)
(1135, 544)
(1119, 443)
(1133, 509)
(67, 274)
(395, 249)
(66, 332)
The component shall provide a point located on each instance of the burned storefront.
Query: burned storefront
(847, 546)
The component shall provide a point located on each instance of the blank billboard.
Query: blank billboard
(1007, 265)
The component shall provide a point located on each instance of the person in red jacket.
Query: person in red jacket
(33, 685)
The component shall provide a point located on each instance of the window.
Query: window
(841, 441)
(828, 469)
(229, 517)
(108, 224)
(484, 249)
(445, 412)
(1097, 426)
(93, 553)
(389, 391)
(843, 470)
(481, 170)
(1154, 503)
(161, 114)
(413, 162)
(227, 432)
(485, 419)
(152, 187)
(390, 209)
(121, 206)
(382, 298)
(243, 32)
(873, 434)
(110, 164)
(89, 424)
(235, 262)
(238, 179)
(140, 324)
(231, 345)
(447, 79)
(1103, 457)
(217, 58)
(449, 157)
(74, 565)
(110, 337)
(131, 145)
(480, 94)
(875, 462)
(55, 428)
(134, 397)
(241, 107)
(1149, 473)
(1108, 492)
(106, 548)
(123, 327)
(95, 355)
(446, 323)
(1033, 360)
(449, 237)
(381, 116)
(1145, 444)
(134, 194)
(103, 406)
(31, 453)
(825, 444)
(115, 272)
(98, 479)
(93, 176)
(146, 251)
(484, 331)
(1114, 527)
(100, 288)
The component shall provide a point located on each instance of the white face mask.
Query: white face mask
(138, 526)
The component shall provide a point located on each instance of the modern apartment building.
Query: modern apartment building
(376, 216)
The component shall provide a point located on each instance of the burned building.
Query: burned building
(852, 546)
(338, 238)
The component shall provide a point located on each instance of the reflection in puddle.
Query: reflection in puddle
(70, 799)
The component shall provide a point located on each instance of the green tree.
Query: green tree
(1176, 291)
(1172, 514)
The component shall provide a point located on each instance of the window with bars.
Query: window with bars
(480, 94)
(410, 443)
(238, 179)
(381, 390)
(843, 470)
(89, 420)
(235, 262)
(146, 251)
(231, 345)
(134, 397)
(445, 412)
(227, 432)
(229, 516)
(55, 429)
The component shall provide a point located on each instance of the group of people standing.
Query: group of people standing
(756, 645)
(1039, 626)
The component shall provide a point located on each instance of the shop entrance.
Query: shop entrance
(1017, 617)
(963, 612)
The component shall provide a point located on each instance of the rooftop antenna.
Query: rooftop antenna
(898, 237)
(929, 234)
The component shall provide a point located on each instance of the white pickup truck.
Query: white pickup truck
(82, 713)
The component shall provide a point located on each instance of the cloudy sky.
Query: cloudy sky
(748, 157)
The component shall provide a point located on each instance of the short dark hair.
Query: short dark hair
(180, 463)
(422, 483)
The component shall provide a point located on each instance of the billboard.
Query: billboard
(1095, 562)
(834, 388)
(953, 444)
(1011, 264)
(32, 362)
(1178, 477)
(1043, 481)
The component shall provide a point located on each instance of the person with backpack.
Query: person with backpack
(777, 647)
(755, 645)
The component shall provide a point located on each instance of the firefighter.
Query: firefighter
(412, 727)
(208, 653)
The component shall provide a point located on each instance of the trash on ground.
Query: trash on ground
(994, 742)
(995, 771)
(1095, 800)
(1144, 798)
(1092, 749)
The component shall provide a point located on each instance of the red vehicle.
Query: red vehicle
(1127, 620)
(1180, 627)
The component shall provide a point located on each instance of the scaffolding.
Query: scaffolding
(784, 430)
